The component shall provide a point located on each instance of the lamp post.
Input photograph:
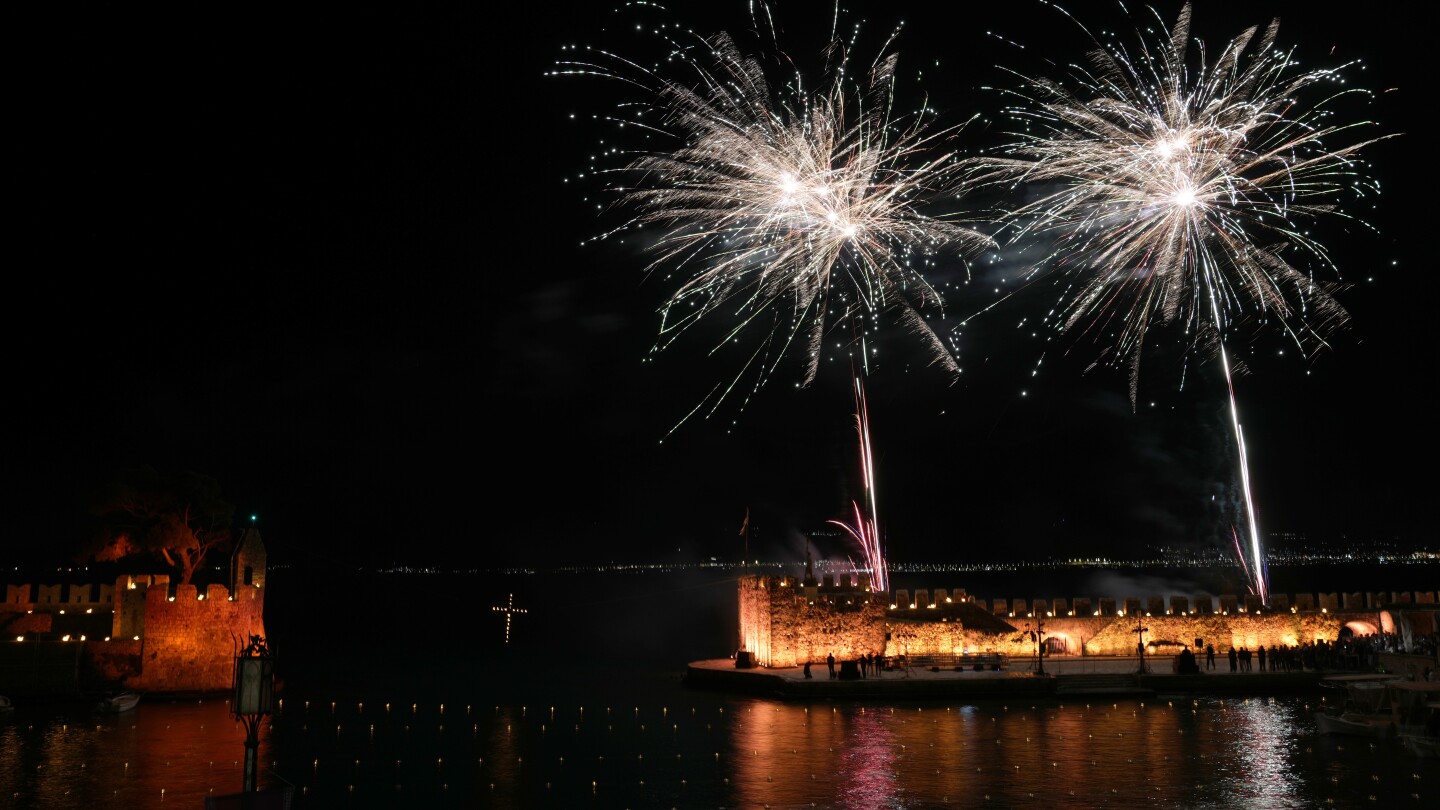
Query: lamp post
(1140, 630)
(1039, 634)
(254, 698)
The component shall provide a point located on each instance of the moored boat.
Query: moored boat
(1416, 705)
(1356, 724)
(122, 702)
(1362, 711)
(1426, 746)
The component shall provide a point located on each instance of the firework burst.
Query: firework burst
(790, 213)
(1177, 192)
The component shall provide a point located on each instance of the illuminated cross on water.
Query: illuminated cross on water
(509, 610)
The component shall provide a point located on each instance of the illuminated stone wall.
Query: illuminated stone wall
(938, 637)
(163, 637)
(783, 623)
(755, 596)
(183, 642)
(189, 640)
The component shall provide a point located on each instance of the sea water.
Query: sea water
(401, 691)
(647, 741)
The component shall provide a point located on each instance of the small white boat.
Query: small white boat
(1422, 746)
(1355, 724)
(123, 702)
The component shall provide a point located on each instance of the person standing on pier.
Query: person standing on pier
(1262, 654)
(1209, 656)
(830, 662)
(1234, 660)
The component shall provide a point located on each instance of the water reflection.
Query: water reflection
(160, 754)
(1263, 741)
(787, 755)
(672, 747)
(1169, 753)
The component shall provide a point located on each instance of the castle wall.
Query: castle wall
(161, 637)
(755, 618)
(932, 637)
(189, 640)
(784, 625)
(57, 598)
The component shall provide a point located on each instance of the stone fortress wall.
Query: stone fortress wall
(785, 621)
(146, 632)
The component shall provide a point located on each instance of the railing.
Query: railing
(975, 661)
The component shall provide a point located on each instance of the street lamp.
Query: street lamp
(254, 698)
(1140, 630)
(1039, 634)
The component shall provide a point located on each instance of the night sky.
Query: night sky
(329, 258)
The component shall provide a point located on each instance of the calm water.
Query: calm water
(411, 698)
(653, 743)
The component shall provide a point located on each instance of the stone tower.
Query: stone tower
(247, 563)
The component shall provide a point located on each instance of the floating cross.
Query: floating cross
(509, 610)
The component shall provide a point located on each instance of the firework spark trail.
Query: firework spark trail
(1176, 189)
(791, 212)
(866, 530)
(1260, 580)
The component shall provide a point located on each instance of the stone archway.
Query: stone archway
(1357, 627)
(1387, 622)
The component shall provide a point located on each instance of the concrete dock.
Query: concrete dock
(1063, 677)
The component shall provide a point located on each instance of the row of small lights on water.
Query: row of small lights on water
(550, 723)
(480, 763)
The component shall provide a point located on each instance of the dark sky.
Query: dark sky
(329, 259)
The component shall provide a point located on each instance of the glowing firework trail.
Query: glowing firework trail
(791, 212)
(1260, 578)
(1176, 189)
(866, 529)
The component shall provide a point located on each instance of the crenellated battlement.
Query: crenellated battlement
(1172, 605)
(57, 598)
(77, 596)
(847, 587)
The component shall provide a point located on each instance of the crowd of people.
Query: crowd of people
(1350, 652)
(866, 666)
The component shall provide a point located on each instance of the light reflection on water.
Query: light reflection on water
(157, 755)
(666, 746)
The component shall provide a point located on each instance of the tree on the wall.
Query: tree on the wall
(176, 518)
